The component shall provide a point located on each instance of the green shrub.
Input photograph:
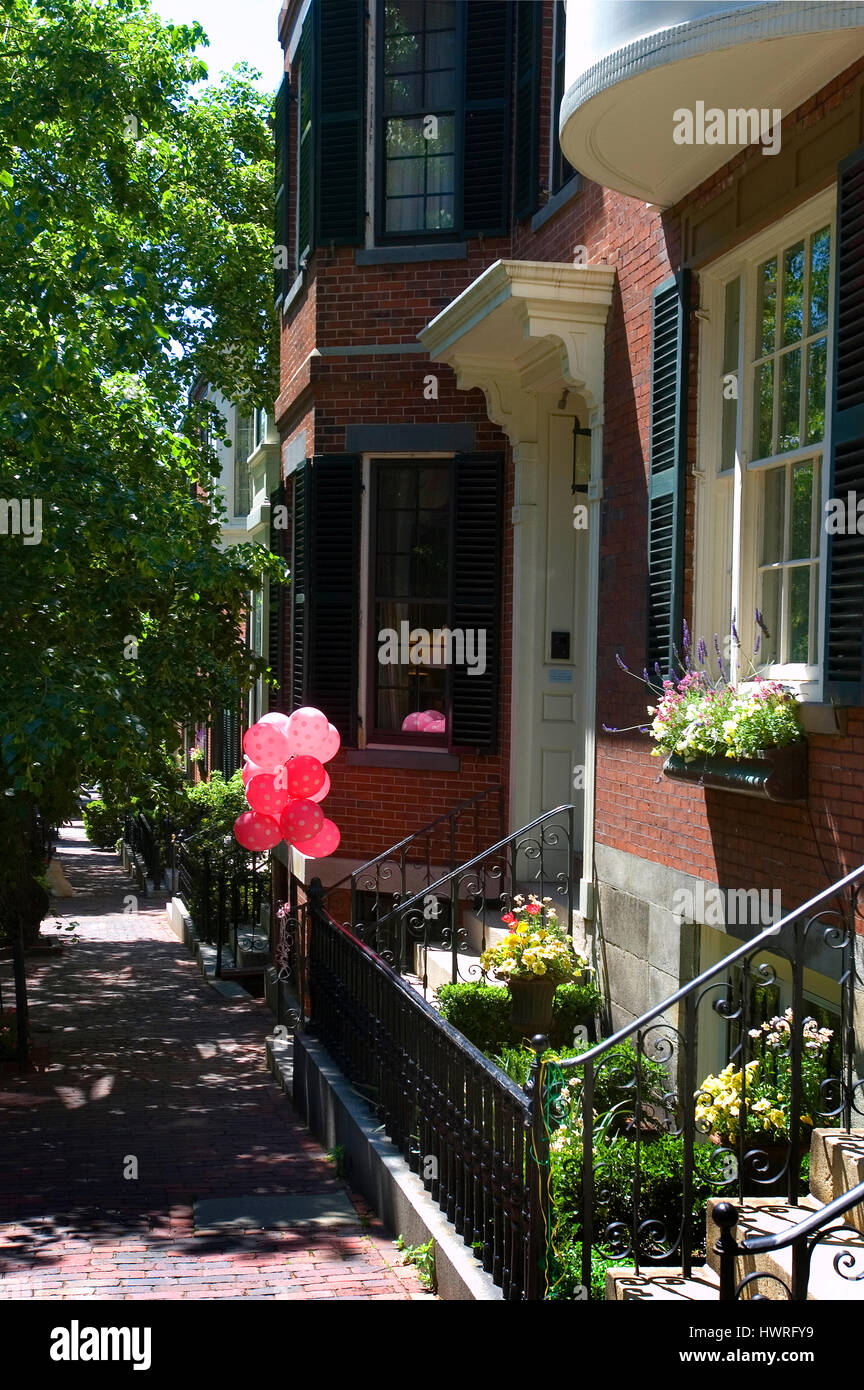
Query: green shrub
(103, 824)
(482, 1013)
(574, 1006)
(661, 1175)
(565, 1272)
(610, 1081)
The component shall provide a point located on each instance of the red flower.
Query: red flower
(533, 909)
(508, 919)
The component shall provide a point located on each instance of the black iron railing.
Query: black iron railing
(224, 892)
(541, 858)
(460, 1124)
(375, 885)
(824, 1224)
(154, 842)
(706, 1025)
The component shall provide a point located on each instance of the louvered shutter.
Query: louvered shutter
(477, 497)
(486, 135)
(333, 593)
(844, 624)
(669, 347)
(306, 136)
(340, 148)
(276, 606)
(299, 589)
(526, 134)
(281, 224)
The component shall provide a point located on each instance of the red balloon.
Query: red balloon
(264, 794)
(301, 820)
(322, 844)
(256, 832)
(303, 775)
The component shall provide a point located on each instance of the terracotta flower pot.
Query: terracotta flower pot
(531, 1005)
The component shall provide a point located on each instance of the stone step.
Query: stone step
(762, 1216)
(836, 1166)
(662, 1284)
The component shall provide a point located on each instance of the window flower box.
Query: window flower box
(778, 774)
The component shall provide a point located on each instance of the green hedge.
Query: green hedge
(482, 1013)
(103, 824)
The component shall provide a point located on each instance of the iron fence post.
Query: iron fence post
(725, 1217)
(220, 918)
(539, 1203)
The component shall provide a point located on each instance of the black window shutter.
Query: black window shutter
(486, 136)
(340, 146)
(282, 226)
(276, 606)
(299, 589)
(529, 18)
(306, 136)
(477, 500)
(844, 619)
(668, 457)
(333, 594)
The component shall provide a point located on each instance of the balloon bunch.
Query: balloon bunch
(286, 781)
(427, 721)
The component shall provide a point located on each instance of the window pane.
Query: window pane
(772, 584)
(820, 264)
(730, 425)
(764, 409)
(731, 323)
(801, 521)
(790, 401)
(793, 294)
(403, 93)
(775, 509)
(817, 360)
(799, 614)
(767, 308)
(397, 487)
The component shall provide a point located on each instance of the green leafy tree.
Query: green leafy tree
(135, 262)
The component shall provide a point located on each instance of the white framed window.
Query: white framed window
(764, 383)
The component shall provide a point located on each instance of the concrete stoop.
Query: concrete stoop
(836, 1166)
(338, 1116)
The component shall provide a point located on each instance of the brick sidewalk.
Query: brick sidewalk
(141, 1058)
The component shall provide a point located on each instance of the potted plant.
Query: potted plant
(743, 738)
(533, 960)
(766, 1096)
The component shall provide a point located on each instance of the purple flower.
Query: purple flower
(735, 637)
(761, 624)
(702, 652)
(687, 643)
(621, 663)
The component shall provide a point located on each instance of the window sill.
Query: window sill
(822, 719)
(436, 759)
(392, 255)
(556, 202)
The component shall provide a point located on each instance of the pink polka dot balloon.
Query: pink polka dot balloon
(256, 832)
(267, 745)
(426, 720)
(274, 717)
(265, 795)
(304, 775)
(330, 745)
(307, 730)
(322, 844)
(411, 723)
(301, 820)
(319, 796)
(249, 771)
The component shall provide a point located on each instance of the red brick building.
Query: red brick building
(570, 411)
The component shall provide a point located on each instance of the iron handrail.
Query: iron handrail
(408, 903)
(747, 948)
(823, 1216)
(415, 835)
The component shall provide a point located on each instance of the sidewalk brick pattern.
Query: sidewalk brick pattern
(136, 1057)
